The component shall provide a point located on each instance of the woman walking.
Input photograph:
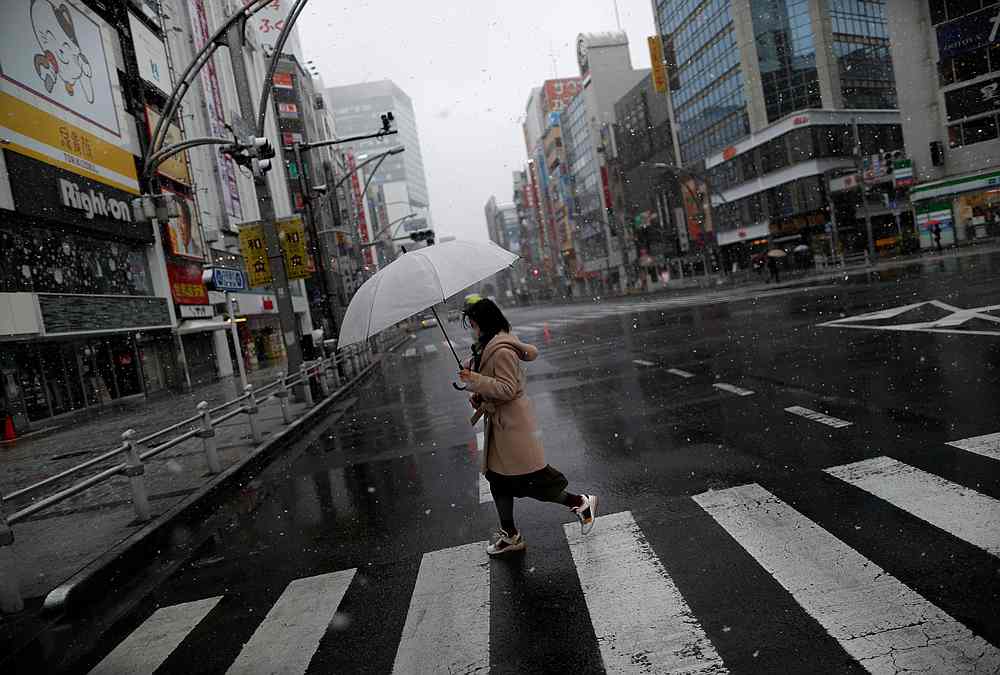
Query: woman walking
(514, 459)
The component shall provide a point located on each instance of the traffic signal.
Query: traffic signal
(423, 235)
(387, 121)
(252, 152)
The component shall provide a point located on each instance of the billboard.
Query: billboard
(292, 234)
(269, 22)
(59, 100)
(185, 231)
(186, 285)
(151, 55)
(254, 251)
(659, 67)
(176, 167)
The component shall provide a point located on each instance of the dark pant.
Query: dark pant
(545, 485)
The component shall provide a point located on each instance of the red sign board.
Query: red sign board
(801, 119)
(362, 220)
(729, 153)
(185, 284)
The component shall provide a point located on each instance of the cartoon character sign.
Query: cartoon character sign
(61, 61)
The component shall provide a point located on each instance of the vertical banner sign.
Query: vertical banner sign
(362, 221)
(215, 111)
(254, 251)
(292, 234)
(659, 67)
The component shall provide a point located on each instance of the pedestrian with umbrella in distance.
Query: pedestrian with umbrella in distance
(513, 458)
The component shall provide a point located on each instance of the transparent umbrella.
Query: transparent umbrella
(419, 280)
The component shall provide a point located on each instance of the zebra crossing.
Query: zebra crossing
(642, 621)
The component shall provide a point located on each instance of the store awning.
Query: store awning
(950, 186)
(201, 325)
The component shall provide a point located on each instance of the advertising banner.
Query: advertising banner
(254, 250)
(151, 55)
(185, 284)
(269, 22)
(59, 100)
(362, 220)
(216, 115)
(54, 194)
(659, 68)
(970, 32)
(185, 230)
(175, 168)
(292, 235)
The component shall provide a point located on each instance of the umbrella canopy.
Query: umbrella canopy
(418, 280)
(801, 248)
(776, 253)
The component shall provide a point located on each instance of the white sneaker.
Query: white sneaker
(586, 513)
(506, 544)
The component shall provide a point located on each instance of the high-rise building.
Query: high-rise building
(953, 141)
(765, 96)
(357, 110)
(607, 73)
(504, 229)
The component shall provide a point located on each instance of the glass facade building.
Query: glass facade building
(864, 61)
(706, 78)
(786, 54)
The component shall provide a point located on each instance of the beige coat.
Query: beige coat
(513, 441)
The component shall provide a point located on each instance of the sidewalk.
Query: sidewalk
(54, 544)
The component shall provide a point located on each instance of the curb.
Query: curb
(154, 539)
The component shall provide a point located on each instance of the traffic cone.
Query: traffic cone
(8, 430)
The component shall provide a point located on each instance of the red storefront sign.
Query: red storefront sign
(185, 283)
(359, 201)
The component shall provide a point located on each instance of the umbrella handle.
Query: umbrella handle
(459, 388)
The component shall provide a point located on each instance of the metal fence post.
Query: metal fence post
(282, 394)
(11, 601)
(207, 436)
(251, 412)
(135, 469)
(324, 381)
(306, 384)
(335, 367)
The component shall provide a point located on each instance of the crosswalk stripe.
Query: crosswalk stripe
(641, 620)
(680, 373)
(733, 389)
(447, 627)
(877, 619)
(818, 417)
(987, 446)
(287, 638)
(151, 643)
(642, 362)
(430, 349)
(412, 351)
(958, 510)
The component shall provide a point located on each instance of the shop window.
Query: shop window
(973, 64)
(946, 73)
(979, 130)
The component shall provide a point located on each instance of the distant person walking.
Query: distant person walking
(937, 236)
(513, 457)
(772, 269)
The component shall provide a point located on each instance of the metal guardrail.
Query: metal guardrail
(338, 369)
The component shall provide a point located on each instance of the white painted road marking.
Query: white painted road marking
(640, 362)
(150, 644)
(987, 446)
(955, 316)
(447, 627)
(732, 389)
(958, 510)
(818, 417)
(431, 349)
(287, 638)
(878, 620)
(412, 351)
(640, 619)
(680, 373)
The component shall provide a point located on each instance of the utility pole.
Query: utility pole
(864, 190)
(236, 40)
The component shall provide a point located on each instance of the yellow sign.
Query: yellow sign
(47, 138)
(659, 68)
(175, 167)
(292, 234)
(253, 246)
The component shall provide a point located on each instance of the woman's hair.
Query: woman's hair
(488, 317)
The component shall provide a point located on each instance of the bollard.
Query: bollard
(134, 469)
(251, 412)
(307, 391)
(11, 601)
(324, 380)
(207, 436)
(282, 394)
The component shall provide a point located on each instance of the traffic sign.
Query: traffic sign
(225, 279)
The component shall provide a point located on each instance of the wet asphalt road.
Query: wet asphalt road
(397, 478)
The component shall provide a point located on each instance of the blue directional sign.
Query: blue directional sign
(224, 279)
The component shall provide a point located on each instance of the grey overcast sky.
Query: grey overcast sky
(469, 67)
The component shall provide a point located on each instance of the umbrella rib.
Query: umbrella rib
(368, 331)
